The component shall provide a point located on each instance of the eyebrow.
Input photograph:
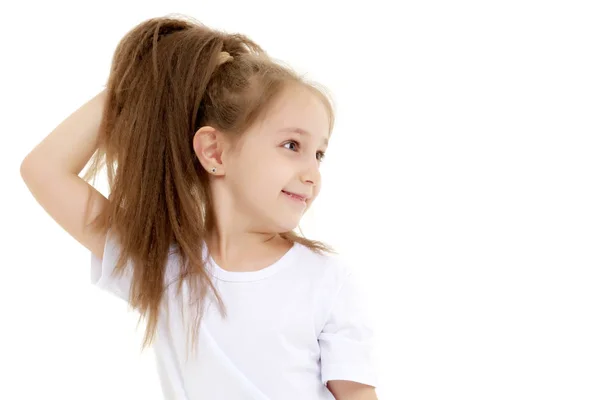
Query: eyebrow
(302, 132)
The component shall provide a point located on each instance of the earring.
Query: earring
(214, 170)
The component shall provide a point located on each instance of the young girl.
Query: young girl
(212, 151)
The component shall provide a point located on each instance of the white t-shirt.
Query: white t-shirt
(290, 328)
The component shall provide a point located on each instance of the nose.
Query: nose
(311, 174)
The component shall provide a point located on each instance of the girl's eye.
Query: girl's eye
(291, 142)
(320, 154)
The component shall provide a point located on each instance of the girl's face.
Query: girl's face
(280, 154)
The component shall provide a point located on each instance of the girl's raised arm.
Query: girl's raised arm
(51, 173)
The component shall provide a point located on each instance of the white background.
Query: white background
(462, 176)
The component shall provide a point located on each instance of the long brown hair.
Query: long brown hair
(168, 79)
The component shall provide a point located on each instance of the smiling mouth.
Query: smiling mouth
(295, 197)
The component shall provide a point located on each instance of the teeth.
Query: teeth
(293, 195)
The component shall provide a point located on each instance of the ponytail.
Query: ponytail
(170, 76)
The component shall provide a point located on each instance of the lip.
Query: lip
(300, 196)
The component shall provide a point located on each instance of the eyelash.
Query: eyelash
(298, 144)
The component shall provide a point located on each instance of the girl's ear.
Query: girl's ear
(209, 145)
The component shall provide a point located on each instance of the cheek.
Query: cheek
(264, 178)
(318, 188)
(263, 174)
(316, 192)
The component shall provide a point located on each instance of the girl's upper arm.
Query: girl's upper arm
(64, 196)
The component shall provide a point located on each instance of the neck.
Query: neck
(235, 240)
(247, 251)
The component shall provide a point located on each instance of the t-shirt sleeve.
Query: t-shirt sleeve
(103, 273)
(346, 340)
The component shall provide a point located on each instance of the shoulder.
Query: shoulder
(337, 295)
(330, 268)
(329, 276)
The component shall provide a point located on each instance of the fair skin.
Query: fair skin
(51, 170)
(250, 207)
(348, 390)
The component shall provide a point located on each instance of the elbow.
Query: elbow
(25, 167)
(28, 168)
(33, 171)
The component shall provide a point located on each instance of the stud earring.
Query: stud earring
(214, 170)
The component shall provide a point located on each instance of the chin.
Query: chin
(285, 224)
(286, 227)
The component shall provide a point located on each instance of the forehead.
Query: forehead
(298, 111)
